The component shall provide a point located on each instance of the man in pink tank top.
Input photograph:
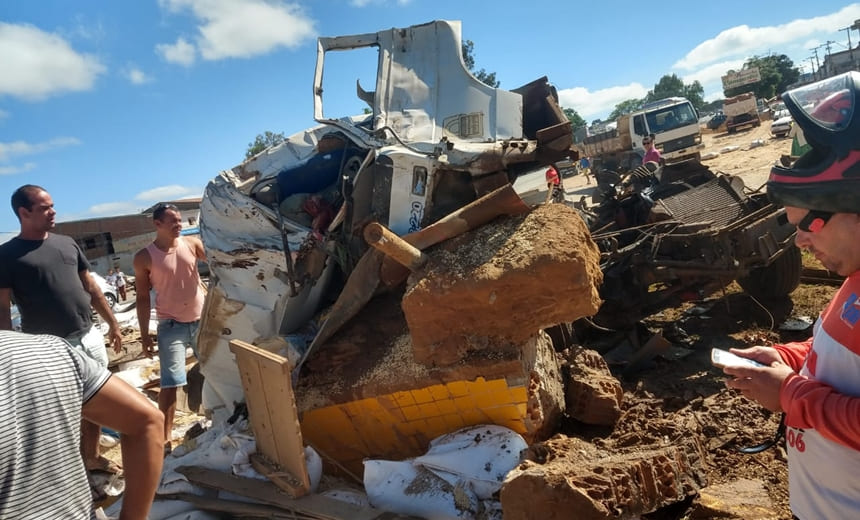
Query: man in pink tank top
(169, 266)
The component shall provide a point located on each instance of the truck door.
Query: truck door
(639, 126)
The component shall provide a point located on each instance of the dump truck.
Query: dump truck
(674, 123)
(741, 111)
(283, 230)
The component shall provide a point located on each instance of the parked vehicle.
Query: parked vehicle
(716, 120)
(107, 289)
(674, 123)
(781, 125)
(661, 245)
(741, 110)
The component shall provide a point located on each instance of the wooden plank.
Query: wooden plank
(272, 412)
(266, 492)
(232, 507)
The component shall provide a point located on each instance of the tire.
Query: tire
(111, 300)
(776, 280)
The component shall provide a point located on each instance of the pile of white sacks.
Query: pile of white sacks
(458, 478)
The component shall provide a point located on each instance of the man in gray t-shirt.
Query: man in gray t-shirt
(49, 277)
(46, 386)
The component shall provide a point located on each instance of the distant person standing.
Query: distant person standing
(652, 154)
(585, 168)
(120, 284)
(169, 265)
(49, 277)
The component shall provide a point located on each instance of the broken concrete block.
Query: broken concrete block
(498, 285)
(593, 394)
(566, 474)
(364, 395)
(743, 499)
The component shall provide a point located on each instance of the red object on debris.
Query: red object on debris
(552, 176)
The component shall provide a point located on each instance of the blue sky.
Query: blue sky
(115, 105)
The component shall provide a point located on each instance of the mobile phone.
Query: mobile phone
(723, 358)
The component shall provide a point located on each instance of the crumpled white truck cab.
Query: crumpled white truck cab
(283, 230)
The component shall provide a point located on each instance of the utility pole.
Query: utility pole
(812, 68)
(817, 65)
(850, 50)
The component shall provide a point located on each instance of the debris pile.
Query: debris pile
(500, 284)
(374, 390)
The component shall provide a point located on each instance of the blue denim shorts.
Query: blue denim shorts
(174, 338)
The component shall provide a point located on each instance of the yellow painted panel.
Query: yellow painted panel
(411, 413)
(453, 422)
(458, 388)
(446, 407)
(429, 410)
(464, 403)
(403, 398)
(436, 426)
(422, 395)
(484, 399)
(439, 392)
(401, 424)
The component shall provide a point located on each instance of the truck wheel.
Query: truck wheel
(777, 279)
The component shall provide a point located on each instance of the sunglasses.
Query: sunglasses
(814, 221)
(646, 142)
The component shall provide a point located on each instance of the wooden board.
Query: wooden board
(317, 506)
(272, 412)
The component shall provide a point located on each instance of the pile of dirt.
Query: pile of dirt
(514, 267)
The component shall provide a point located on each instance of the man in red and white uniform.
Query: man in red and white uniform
(817, 382)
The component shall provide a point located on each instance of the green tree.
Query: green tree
(671, 85)
(488, 78)
(263, 141)
(668, 86)
(625, 107)
(777, 73)
(695, 92)
(576, 120)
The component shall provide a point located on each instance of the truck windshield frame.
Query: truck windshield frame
(670, 118)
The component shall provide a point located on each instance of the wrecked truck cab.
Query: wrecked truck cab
(282, 230)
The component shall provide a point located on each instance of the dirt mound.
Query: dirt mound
(476, 283)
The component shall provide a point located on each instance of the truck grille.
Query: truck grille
(720, 201)
(679, 144)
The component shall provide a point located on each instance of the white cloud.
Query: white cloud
(712, 73)
(171, 192)
(3, 114)
(13, 170)
(136, 76)
(600, 102)
(181, 52)
(743, 41)
(106, 209)
(239, 28)
(37, 64)
(19, 148)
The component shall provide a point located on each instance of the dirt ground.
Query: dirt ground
(682, 387)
